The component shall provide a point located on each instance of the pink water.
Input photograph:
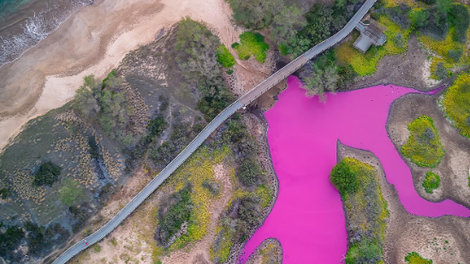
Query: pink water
(307, 217)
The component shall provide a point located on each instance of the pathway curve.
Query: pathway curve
(243, 101)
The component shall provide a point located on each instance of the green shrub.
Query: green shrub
(10, 239)
(35, 238)
(457, 104)
(424, 146)
(224, 57)
(179, 212)
(415, 258)
(212, 186)
(250, 172)
(71, 192)
(254, 14)
(47, 174)
(431, 182)
(419, 18)
(364, 251)
(196, 60)
(455, 54)
(4, 193)
(441, 71)
(459, 18)
(344, 179)
(251, 43)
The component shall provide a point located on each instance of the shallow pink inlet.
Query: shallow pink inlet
(307, 217)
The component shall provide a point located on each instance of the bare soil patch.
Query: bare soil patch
(455, 164)
(442, 239)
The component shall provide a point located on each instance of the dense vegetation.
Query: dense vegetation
(254, 14)
(344, 179)
(324, 75)
(70, 192)
(224, 57)
(415, 258)
(244, 211)
(423, 146)
(365, 208)
(4, 193)
(251, 43)
(431, 182)
(197, 60)
(172, 218)
(457, 104)
(10, 239)
(47, 174)
(108, 103)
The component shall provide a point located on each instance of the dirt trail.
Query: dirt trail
(92, 41)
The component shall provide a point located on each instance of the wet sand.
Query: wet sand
(92, 41)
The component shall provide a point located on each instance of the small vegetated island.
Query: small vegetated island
(424, 148)
(365, 210)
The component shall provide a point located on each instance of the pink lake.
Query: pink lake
(308, 217)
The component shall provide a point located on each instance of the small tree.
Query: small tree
(47, 174)
(344, 179)
(441, 71)
(419, 18)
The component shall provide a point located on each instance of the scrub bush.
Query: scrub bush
(431, 182)
(4, 193)
(423, 146)
(10, 239)
(249, 172)
(71, 192)
(179, 212)
(441, 71)
(344, 179)
(415, 258)
(224, 57)
(251, 43)
(47, 174)
(457, 104)
(459, 18)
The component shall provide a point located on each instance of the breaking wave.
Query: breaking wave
(18, 38)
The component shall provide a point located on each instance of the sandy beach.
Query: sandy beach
(92, 41)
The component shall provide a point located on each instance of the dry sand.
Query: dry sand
(93, 41)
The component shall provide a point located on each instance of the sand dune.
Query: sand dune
(92, 41)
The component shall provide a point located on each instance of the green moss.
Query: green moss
(431, 182)
(415, 258)
(251, 43)
(424, 146)
(224, 57)
(457, 104)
